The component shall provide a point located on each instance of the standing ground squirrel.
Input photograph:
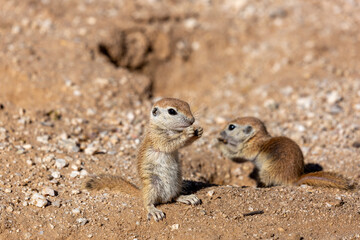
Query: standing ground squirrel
(279, 160)
(170, 128)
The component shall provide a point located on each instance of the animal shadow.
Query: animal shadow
(191, 187)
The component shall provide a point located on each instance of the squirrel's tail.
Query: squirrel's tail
(112, 182)
(324, 179)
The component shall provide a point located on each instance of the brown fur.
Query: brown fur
(112, 182)
(279, 159)
(157, 160)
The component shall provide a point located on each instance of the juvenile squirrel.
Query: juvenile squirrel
(279, 160)
(169, 129)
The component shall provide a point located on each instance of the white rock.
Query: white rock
(300, 128)
(84, 173)
(38, 200)
(60, 163)
(43, 139)
(210, 193)
(48, 192)
(190, 23)
(76, 211)
(56, 174)
(82, 221)
(304, 102)
(130, 116)
(49, 158)
(174, 227)
(29, 162)
(91, 149)
(75, 167)
(27, 146)
(76, 191)
(74, 174)
(333, 97)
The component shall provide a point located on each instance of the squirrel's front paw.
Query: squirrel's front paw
(198, 132)
(193, 132)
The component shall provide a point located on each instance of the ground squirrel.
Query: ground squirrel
(170, 128)
(279, 160)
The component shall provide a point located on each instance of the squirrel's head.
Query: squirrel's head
(172, 114)
(238, 133)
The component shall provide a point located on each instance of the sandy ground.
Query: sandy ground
(77, 81)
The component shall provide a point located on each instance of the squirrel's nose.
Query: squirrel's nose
(223, 134)
(192, 120)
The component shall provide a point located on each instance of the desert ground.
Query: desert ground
(77, 82)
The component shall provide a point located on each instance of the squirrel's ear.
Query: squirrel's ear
(155, 112)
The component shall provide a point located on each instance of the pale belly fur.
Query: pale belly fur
(166, 178)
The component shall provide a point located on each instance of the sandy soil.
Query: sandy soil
(77, 81)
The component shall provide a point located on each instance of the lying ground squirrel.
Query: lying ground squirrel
(170, 128)
(279, 160)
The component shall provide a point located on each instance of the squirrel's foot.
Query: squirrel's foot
(188, 199)
(156, 214)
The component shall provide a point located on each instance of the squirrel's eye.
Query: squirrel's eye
(154, 111)
(172, 111)
(247, 129)
(231, 127)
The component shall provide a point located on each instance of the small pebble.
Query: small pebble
(60, 163)
(76, 211)
(82, 221)
(210, 193)
(56, 174)
(74, 174)
(38, 200)
(48, 192)
(174, 227)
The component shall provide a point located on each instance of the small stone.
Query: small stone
(74, 174)
(335, 109)
(76, 211)
(83, 173)
(210, 193)
(49, 158)
(29, 162)
(91, 149)
(60, 163)
(38, 200)
(56, 203)
(130, 116)
(75, 192)
(174, 227)
(56, 174)
(82, 221)
(333, 97)
(75, 167)
(9, 209)
(27, 146)
(7, 190)
(280, 229)
(304, 102)
(43, 139)
(271, 104)
(300, 128)
(48, 192)
(69, 145)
